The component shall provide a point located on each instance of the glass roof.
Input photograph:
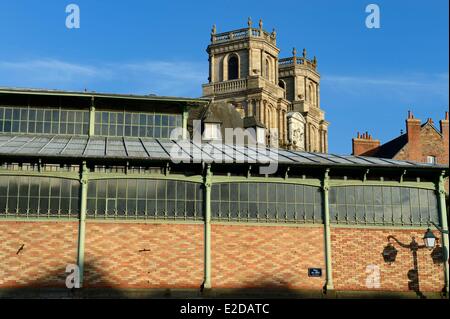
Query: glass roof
(185, 150)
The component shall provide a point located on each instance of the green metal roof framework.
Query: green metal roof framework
(149, 97)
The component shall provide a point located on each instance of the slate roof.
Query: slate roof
(391, 148)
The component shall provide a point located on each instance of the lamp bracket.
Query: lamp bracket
(440, 229)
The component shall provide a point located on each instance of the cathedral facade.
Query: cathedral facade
(282, 95)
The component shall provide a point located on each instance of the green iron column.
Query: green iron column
(207, 270)
(327, 233)
(444, 234)
(82, 223)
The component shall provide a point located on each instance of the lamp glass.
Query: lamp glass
(429, 239)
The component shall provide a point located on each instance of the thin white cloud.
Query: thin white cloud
(430, 84)
(160, 77)
(48, 65)
(165, 78)
(186, 77)
(172, 70)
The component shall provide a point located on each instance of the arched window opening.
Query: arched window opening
(233, 68)
(267, 69)
(282, 85)
(311, 94)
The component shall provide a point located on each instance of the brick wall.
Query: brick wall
(145, 255)
(432, 144)
(354, 249)
(266, 256)
(48, 248)
(364, 145)
(139, 255)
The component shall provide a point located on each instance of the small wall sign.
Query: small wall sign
(314, 272)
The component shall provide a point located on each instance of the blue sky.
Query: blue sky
(370, 77)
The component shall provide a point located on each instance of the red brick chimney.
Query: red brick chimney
(363, 144)
(413, 136)
(444, 131)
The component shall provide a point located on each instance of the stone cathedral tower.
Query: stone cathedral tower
(246, 73)
(301, 81)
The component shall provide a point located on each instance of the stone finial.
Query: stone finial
(430, 121)
(304, 53)
(294, 52)
(274, 33)
(249, 22)
(314, 60)
(410, 115)
(213, 30)
(260, 24)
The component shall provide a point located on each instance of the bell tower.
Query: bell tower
(243, 72)
(299, 77)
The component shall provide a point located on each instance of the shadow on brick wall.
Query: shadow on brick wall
(389, 254)
(263, 288)
(53, 286)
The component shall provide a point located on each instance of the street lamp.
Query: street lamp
(429, 239)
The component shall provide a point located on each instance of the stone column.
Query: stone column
(318, 95)
(185, 123)
(322, 141)
(259, 109)
(212, 71)
(308, 141)
(250, 66)
(92, 118)
(273, 118)
(266, 115)
(295, 93)
(276, 71)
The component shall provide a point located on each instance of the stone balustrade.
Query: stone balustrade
(298, 60)
(230, 86)
(237, 85)
(243, 33)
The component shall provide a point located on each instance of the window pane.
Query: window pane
(112, 186)
(243, 192)
(151, 189)
(171, 189)
(132, 191)
(141, 188)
